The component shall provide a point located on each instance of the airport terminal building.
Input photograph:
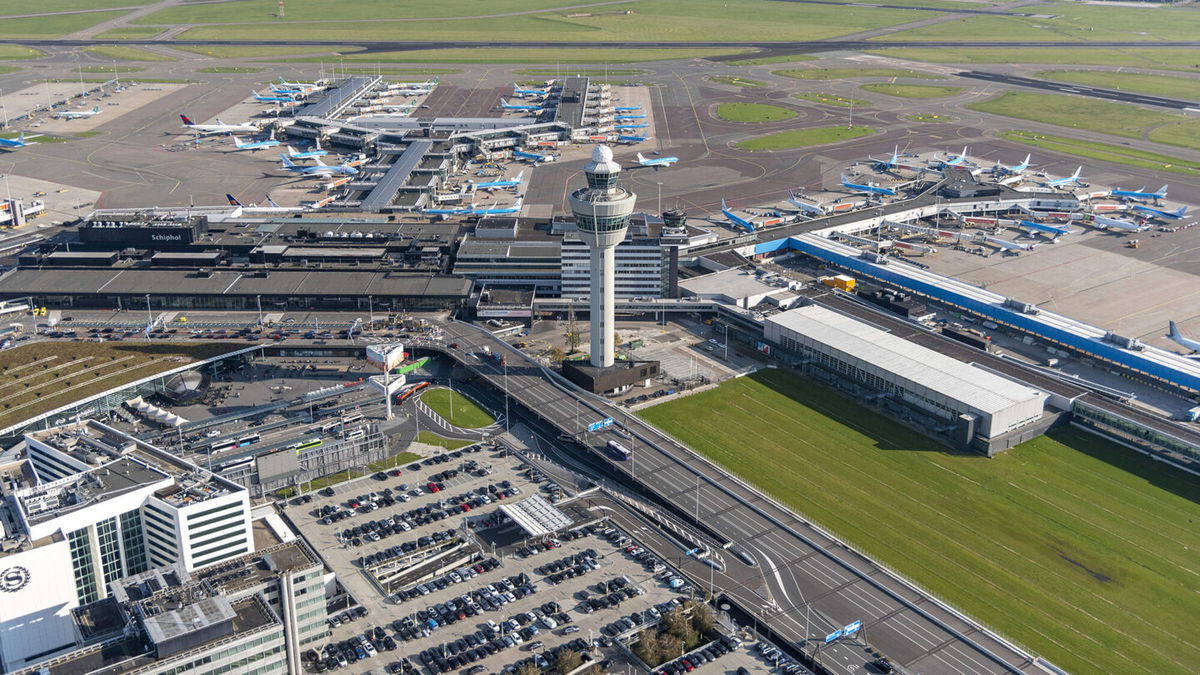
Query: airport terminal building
(973, 406)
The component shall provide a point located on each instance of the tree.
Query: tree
(568, 660)
(702, 619)
(529, 668)
(675, 622)
(572, 332)
(557, 354)
(648, 648)
(672, 647)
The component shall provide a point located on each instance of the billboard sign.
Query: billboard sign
(852, 628)
(385, 357)
(833, 636)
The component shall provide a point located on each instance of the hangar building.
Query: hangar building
(978, 405)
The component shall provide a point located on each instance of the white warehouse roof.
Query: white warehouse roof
(975, 387)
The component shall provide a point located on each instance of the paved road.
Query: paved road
(1083, 90)
(806, 582)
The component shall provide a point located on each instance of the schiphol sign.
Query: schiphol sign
(845, 631)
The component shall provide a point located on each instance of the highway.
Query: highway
(1083, 90)
(806, 583)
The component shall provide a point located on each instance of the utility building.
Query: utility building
(975, 405)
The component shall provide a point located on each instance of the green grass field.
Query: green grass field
(130, 33)
(18, 53)
(109, 69)
(765, 60)
(465, 415)
(802, 138)
(123, 53)
(8, 69)
(1075, 547)
(929, 118)
(398, 459)
(1073, 22)
(52, 26)
(736, 81)
(518, 55)
(251, 52)
(1117, 119)
(36, 138)
(832, 99)
(1158, 85)
(43, 376)
(229, 69)
(466, 21)
(753, 112)
(18, 7)
(1163, 59)
(850, 73)
(555, 72)
(911, 90)
(430, 438)
(1117, 154)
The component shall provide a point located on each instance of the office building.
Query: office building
(90, 505)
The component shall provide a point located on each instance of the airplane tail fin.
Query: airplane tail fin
(232, 200)
(1182, 210)
(286, 160)
(503, 102)
(1078, 169)
(319, 162)
(272, 201)
(1174, 330)
(187, 121)
(291, 151)
(1162, 191)
(640, 158)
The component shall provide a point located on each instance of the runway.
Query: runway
(806, 583)
(1083, 90)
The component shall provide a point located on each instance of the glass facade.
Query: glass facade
(602, 181)
(110, 549)
(133, 543)
(589, 224)
(82, 563)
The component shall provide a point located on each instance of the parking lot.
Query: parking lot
(475, 597)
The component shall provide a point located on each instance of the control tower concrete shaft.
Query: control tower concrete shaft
(601, 213)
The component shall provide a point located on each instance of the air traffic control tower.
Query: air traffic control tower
(601, 213)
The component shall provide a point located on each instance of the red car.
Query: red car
(396, 472)
(432, 487)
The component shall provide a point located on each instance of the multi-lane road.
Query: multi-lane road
(806, 583)
(1083, 90)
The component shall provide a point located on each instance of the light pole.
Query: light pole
(506, 421)
(726, 342)
(5, 109)
(149, 314)
(258, 302)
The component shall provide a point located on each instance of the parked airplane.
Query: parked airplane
(254, 145)
(512, 182)
(1008, 245)
(307, 154)
(1042, 227)
(466, 210)
(255, 208)
(805, 207)
(627, 127)
(869, 188)
(626, 118)
(1140, 194)
(656, 161)
(514, 106)
(272, 99)
(1059, 182)
(632, 139)
(736, 219)
(893, 162)
(1159, 213)
(957, 159)
(77, 114)
(518, 91)
(627, 108)
(1119, 224)
(1017, 168)
(320, 169)
(515, 208)
(532, 156)
(18, 142)
(1182, 341)
(220, 127)
(299, 85)
(275, 89)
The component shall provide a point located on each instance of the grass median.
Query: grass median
(911, 90)
(1069, 544)
(736, 81)
(123, 53)
(851, 73)
(803, 138)
(457, 409)
(832, 99)
(753, 112)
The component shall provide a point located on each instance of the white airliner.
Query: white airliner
(77, 114)
(219, 128)
(1182, 341)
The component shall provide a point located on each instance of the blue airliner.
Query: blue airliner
(1140, 194)
(736, 219)
(18, 142)
(1159, 213)
(514, 106)
(869, 188)
(1041, 227)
